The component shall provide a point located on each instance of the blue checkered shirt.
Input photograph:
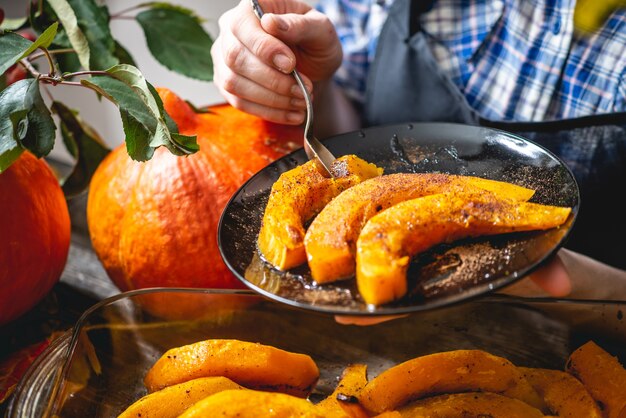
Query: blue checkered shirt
(513, 59)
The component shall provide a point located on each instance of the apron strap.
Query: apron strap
(418, 7)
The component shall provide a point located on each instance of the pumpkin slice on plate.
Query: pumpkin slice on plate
(330, 241)
(389, 239)
(296, 197)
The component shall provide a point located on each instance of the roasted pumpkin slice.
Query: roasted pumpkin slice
(172, 401)
(389, 239)
(344, 397)
(330, 241)
(444, 373)
(296, 197)
(255, 404)
(564, 394)
(470, 405)
(602, 375)
(251, 365)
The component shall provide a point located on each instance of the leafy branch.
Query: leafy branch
(79, 50)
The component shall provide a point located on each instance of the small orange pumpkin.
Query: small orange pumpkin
(154, 224)
(34, 235)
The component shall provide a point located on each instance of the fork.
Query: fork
(313, 148)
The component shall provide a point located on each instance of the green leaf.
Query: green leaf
(44, 40)
(19, 120)
(13, 24)
(178, 42)
(169, 6)
(11, 102)
(83, 142)
(12, 47)
(93, 21)
(68, 62)
(142, 113)
(25, 122)
(9, 156)
(198, 110)
(39, 138)
(169, 122)
(123, 55)
(188, 142)
(137, 138)
(76, 36)
(41, 16)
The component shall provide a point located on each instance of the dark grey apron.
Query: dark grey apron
(405, 84)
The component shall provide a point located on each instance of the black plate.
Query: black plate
(444, 275)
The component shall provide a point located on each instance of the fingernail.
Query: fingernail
(283, 63)
(295, 117)
(296, 91)
(298, 103)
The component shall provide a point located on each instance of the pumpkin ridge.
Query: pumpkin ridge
(120, 253)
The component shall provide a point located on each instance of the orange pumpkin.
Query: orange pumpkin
(34, 235)
(155, 223)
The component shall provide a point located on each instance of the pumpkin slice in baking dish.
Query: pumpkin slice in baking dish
(330, 241)
(446, 372)
(389, 240)
(296, 197)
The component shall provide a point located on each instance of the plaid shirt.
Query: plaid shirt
(513, 59)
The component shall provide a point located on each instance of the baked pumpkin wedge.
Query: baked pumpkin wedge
(603, 376)
(296, 197)
(254, 404)
(252, 365)
(565, 395)
(344, 397)
(172, 401)
(389, 240)
(330, 241)
(468, 405)
(444, 373)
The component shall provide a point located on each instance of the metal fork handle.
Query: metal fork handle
(313, 148)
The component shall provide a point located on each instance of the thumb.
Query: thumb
(553, 278)
(312, 38)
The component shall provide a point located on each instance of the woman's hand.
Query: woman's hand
(253, 59)
(553, 279)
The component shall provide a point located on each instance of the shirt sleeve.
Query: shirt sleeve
(358, 24)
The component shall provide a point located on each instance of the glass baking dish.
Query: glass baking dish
(97, 369)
